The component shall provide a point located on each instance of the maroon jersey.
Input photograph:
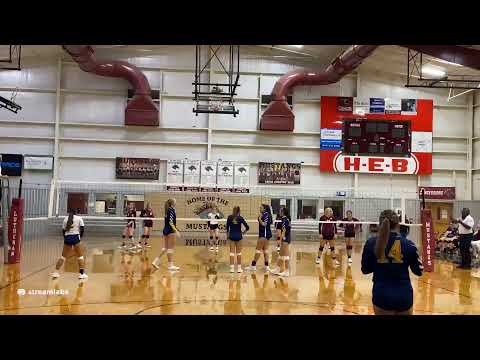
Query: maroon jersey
(131, 213)
(327, 229)
(349, 228)
(147, 213)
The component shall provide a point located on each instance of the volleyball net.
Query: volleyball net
(103, 205)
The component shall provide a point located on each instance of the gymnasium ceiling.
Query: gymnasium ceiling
(387, 59)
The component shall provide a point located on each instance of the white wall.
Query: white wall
(86, 99)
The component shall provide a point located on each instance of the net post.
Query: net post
(57, 204)
(50, 197)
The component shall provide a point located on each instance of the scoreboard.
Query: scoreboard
(376, 137)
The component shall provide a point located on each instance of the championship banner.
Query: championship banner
(225, 176)
(137, 168)
(241, 173)
(208, 176)
(38, 163)
(428, 240)
(191, 175)
(15, 231)
(279, 173)
(438, 193)
(175, 175)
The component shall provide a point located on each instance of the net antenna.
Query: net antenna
(216, 97)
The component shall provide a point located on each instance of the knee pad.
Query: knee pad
(170, 251)
(123, 236)
(239, 254)
(258, 251)
(147, 236)
(216, 238)
(278, 238)
(320, 248)
(80, 258)
(143, 236)
(332, 248)
(130, 237)
(349, 247)
(232, 254)
(211, 237)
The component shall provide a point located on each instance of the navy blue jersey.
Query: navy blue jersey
(392, 289)
(234, 227)
(265, 231)
(278, 222)
(170, 222)
(285, 229)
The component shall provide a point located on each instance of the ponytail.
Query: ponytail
(388, 219)
(69, 225)
(168, 204)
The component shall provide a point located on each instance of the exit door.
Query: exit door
(78, 202)
(441, 215)
(337, 207)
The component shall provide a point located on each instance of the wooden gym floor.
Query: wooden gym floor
(123, 284)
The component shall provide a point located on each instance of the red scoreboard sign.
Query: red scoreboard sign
(379, 136)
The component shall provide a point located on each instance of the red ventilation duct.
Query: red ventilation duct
(278, 115)
(141, 110)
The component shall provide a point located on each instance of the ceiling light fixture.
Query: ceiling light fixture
(296, 46)
(432, 71)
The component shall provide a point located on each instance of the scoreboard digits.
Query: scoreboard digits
(376, 137)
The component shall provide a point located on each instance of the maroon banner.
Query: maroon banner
(428, 240)
(438, 192)
(174, 188)
(15, 231)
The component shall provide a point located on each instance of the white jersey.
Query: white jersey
(77, 223)
(212, 218)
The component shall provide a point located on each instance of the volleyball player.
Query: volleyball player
(283, 264)
(388, 256)
(147, 225)
(327, 234)
(73, 230)
(170, 232)
(278, 231)
(350, 230)
(213, 229)
(234, 234)
(129, 229)
(265, 220)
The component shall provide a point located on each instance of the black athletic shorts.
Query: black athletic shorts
(148, 223)
(328, 237)
(213, 227)
(349, 235)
